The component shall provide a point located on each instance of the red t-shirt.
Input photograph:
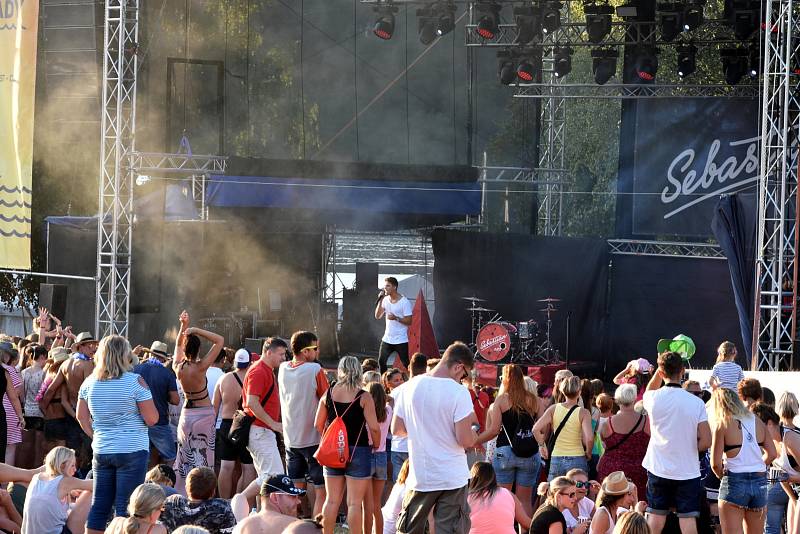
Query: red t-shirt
(258, 381)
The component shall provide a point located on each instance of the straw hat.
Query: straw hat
(58, 354)
(616, 484)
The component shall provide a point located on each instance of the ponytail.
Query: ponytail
(131, 525)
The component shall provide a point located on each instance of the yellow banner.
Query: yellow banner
(18, 23)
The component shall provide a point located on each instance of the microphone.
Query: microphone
(381, 294)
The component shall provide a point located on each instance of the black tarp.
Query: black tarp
(512, 272)
(656, 297)
(734, 226)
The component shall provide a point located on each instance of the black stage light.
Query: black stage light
(489, 21)
(507, 66)
(604, 64)
(646, 63)
(754, 61)
(445, 24)
(528, 24)
(562, 61)
(670, 21)
(693, 16)
(526, 70)
(384, 26)
(598, 21)
(734, 64)
(687, 62)
(427, 31)
(551, 16)
(744, 17)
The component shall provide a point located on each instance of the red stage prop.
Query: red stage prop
(420, 333)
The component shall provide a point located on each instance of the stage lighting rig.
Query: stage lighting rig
(489, 20)
(507, 66)
(529, 24)
(435, 21)
(598, 21)
(687, 60)
(530, 65)
(447, 19)
(604, 64)
(744, 16)
(384, 26)
(551, 15)
(693, 16)
(562, 61)
(754, 58)
(645, 63)
(670, 20)
(734, 64)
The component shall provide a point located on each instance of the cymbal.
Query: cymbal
(549, 299)
(473, 299)
(548, 310)
(479, 309)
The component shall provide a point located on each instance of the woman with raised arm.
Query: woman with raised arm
(196, 427)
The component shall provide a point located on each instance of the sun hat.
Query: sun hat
(84, 337)
(159, 348)
(58, 354)
(616, 484)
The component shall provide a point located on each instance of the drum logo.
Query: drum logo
(491, 342)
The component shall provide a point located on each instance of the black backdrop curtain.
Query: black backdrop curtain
(512, 272)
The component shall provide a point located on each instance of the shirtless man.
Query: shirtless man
(227, 399)
(279, 503)
(72, 373)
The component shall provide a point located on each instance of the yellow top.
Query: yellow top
(569, 441)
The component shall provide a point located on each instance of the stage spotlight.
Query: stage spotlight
(528, 24)
(744, 16)
(427, 31)
(598, 21)
(646, 63)
(384, 26)
(734, 64)
(526, 70)
(687, 62)
(506, 67)
(445, 24)
(489, 21)
(562, 61)
(754, 61)
(604, 64)
(551, 16)
(693, 16)
(670, 21)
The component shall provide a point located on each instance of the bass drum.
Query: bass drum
(494, 341)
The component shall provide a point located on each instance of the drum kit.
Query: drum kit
(526, 342)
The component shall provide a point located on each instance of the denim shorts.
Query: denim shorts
(510, 468)
(379, 466)
(398, 459)
(360, 465)
(300, 462)
(560, 465)
(745, 490)
(665, 493)
(161, 438)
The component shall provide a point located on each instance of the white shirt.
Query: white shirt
(213, 374)
(399, 444)
(396, 332)
(585, 509)
(674, 416)
(430, 407)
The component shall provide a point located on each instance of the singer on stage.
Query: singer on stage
(397, 310)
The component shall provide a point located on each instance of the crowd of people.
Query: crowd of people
(143, 440)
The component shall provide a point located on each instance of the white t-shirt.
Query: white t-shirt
(396, 332)
(430, 407)
(674, 416)
(399, 444)
(213, 374)
(585, 509)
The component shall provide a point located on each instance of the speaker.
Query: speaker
(254, 344)
(54, 298)
(367, 278)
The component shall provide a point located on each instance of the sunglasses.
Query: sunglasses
(570, 495)
(580, 485)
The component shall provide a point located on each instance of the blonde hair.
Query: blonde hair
(531, 385)
(556, 486)
(727, 405)
(631, 523)
(349, 374)
(56, 458)
(372, 376)
(190, 529)
(145, 499)
(787, 406)
(113, 358)
(726, 352)
(403, 474)
(570, 387)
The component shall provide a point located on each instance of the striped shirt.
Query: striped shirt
(728, 374)
(118, 426)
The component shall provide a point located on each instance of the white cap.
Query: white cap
(242, 357)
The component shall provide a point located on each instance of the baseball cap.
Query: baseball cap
(242, 358)
(643, 365)
(281, 484)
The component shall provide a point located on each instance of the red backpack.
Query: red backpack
(334, 449)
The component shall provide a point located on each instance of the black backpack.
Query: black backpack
(523, 443)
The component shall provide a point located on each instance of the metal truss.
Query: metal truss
(506, 174)
(552, 146)
(776, 269)
(187, 164)
(632, 247)
(624, 91)
(329, 264)
(711, 34)
(115, 208)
